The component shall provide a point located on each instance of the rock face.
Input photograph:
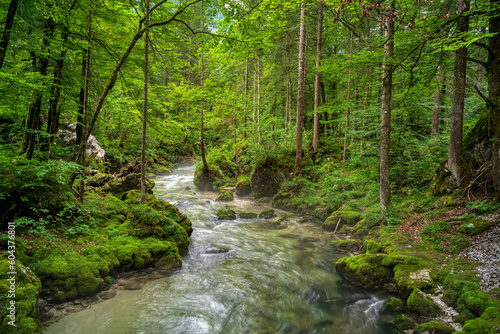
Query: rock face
(266, 179)
(243, 187)
(93, 147)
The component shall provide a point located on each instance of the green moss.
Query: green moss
(365, 270)
(412, 276)
(394, 305)
(372, 247)
(228, 214)
(243, 187)
(489, 322)
(264, 200)
(475, 300)
(206, 180)
(267, 214)
(435, 327)
(401, 322)
(342, 218)
(283, 200)
(350, 245)
(474, 227)
(247, 215)
(225, 196)
(422, 304)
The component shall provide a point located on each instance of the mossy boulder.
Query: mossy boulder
(474, 227)
(422, 304)
(365, 270)
(243, 187)
(402, 323)
(266, 179)
(27, 288)
(227, 214)
(394, 305)
(477, 301)
(445, 202)
(283, 200)
(412, 276)
(489, 322)
(267, 214)
(372, 247)
(341, 217)
(225, 196)
(348, 245)
(206, 179)
(434, 327)
(119, 185)
(247, 215)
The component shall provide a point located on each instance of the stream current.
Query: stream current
(240, 276)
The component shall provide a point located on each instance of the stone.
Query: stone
(267, 214)
(422, 304)
(266, 179)
(226, 214)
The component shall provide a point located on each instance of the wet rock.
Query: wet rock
(266, 179)
(243, 187)
(365, 270)
(422, 304)
(341, 217)
(187, 188)
(267, 214)
(394, 305)
(309, 240)
(205, 179)
(225, 196)
(247, 215)
(349, 245)
(402, 323)
(105, 295)
(228, 214)
(434, 327)
(215, 251)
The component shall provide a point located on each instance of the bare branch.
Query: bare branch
(483, 63)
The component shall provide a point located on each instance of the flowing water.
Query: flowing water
(240, 276)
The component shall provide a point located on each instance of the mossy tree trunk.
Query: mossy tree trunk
(145, 106)
(385, 130)
(457, 102)
(9, 23)
(317, 79)
(202, 70)
(300, 90)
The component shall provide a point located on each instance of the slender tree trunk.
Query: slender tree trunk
(385, 131)
(457, 103)
(202, 65)
(79, 119)
(493, 73)
(9, 23)
(246, 99)
(317, 81)
(346, 128)
(258, 96)
(82, 149)
(145, 105)
(300, 90)
(254, 100)
(436, 110)
(187, 104)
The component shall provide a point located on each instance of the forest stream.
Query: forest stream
(240, 276)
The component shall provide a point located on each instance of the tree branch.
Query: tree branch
(194, 32)
(486, 47)
(485, 64)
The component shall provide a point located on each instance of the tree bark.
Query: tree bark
(493, 74)
(145, 105)
(9, 23)
(202, 70)
(245, 104)
(317, 81)
(385, 130)
(346, 128)
(300, 90)
(258, 96)
(457, 102)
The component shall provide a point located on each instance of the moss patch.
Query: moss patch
(342, 217)
(267, 214)
(225, 196)
(349, 245)
(394, 305)
(226, 214)
(422, 304)
(365, 270)
(247, 215)
(434, 327)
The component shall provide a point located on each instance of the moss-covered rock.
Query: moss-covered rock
(267, 214)
(422, 304)
(476, 301)
(228, 214)
(206, 180)
(475, 226)
(243, 187)
(434, 327)
(348, 245)
(365, 270)
(372, 247)
(283, 200)
(225, 196)
(445, 202)
(264, 200)
(489, 322)
(394, 305)
(341, 217)
(247, 215)
(266, 179)
(412, 276)
(402, 323)
(23, 313)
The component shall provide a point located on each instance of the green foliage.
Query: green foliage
(433, 233)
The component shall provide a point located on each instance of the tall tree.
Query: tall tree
(317, 79)
(385, 129)
(9, 23)
(202, 83)
(458, 98)
(437, 105)
(300, 90)
(145, 105)
(347, 99)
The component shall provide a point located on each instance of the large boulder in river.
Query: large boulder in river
(266, 179)
(365, 270)
(119, 185)
(205, 179)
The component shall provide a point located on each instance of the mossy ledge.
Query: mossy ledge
(122, 235)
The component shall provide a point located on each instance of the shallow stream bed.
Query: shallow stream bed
(240, 276)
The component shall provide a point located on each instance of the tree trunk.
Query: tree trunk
(145, 105)
(258, 96)
(346, 128)
(317, 81)
(202, 70)
(9, 23)
(300, 90)
(254, 107)
(385, 130)
(245, 104)
(457, 102)
(493, 73)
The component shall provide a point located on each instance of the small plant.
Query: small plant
(483, 207)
